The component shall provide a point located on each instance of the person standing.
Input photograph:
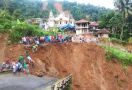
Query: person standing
(21, 59)
(19, 67)
(24, 40)
(25, 68)
(14, 67)
(34, 48)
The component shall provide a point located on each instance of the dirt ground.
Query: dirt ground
(86, 62)
(3, 40)
(129, 47)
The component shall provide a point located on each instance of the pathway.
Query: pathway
(24, 82)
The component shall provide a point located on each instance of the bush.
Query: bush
(109, 56)
(124, 57)
(115, 40)
(104, 40)
(21, 29)
(130, 40)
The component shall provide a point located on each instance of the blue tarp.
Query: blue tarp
(68, 27)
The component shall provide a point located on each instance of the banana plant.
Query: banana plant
(125, 7)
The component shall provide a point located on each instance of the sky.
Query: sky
(104, 3)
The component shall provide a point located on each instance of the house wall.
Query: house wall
(82, 28)
(103, 36)
(63, 22)
(51, 23)
(78, 32)
(82, 31)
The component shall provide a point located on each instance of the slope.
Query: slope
(3, 39)
(85, 61)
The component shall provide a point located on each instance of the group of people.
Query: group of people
(21, 65)
(84, 39)
(46, 39)
(34, 42)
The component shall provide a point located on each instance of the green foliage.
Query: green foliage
(114, 21)
(33, 8)
(111, 20)
(5, 21)
(104, 40)
(125, 8)
(120, 22)
(17, 29)
(51, 6)
(17, 13)
(69, 86)
(115, 40)
(21, 29)
(109, 56)
(25, 8)
(124, 57)
(130, 40)
(44, 14)
(80, 11)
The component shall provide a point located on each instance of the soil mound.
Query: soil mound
(3, 40)
(86, 62)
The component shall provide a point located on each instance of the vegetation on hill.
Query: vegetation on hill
(119, 21)
(33, 8)
(17, 28)
(88, 11)
(22, 9)
(123, 56)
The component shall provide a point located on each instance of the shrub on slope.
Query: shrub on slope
(123, 56)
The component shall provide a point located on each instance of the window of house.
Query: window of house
(84, 25)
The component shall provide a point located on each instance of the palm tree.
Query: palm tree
(5, 4)
(125, 7)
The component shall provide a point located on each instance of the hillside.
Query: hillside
(78, 11)
(40, 9)
(85, 61)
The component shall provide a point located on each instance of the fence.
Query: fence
(5, 68)
(62, 83)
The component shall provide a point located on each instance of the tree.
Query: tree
(124, 6)
(44, 14)
(51, 6)
(113, 21)
(80, 11)
(105, 18)
(17, 13)
(115, 24)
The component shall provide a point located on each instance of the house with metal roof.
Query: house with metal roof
(82, 26)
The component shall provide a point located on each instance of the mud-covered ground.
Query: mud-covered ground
(86, 62)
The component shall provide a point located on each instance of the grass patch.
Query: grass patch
(115, 40)
(124, 57)
(69, 86)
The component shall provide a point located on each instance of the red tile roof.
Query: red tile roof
(82, 21)
(103, 31)
(94, 24)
